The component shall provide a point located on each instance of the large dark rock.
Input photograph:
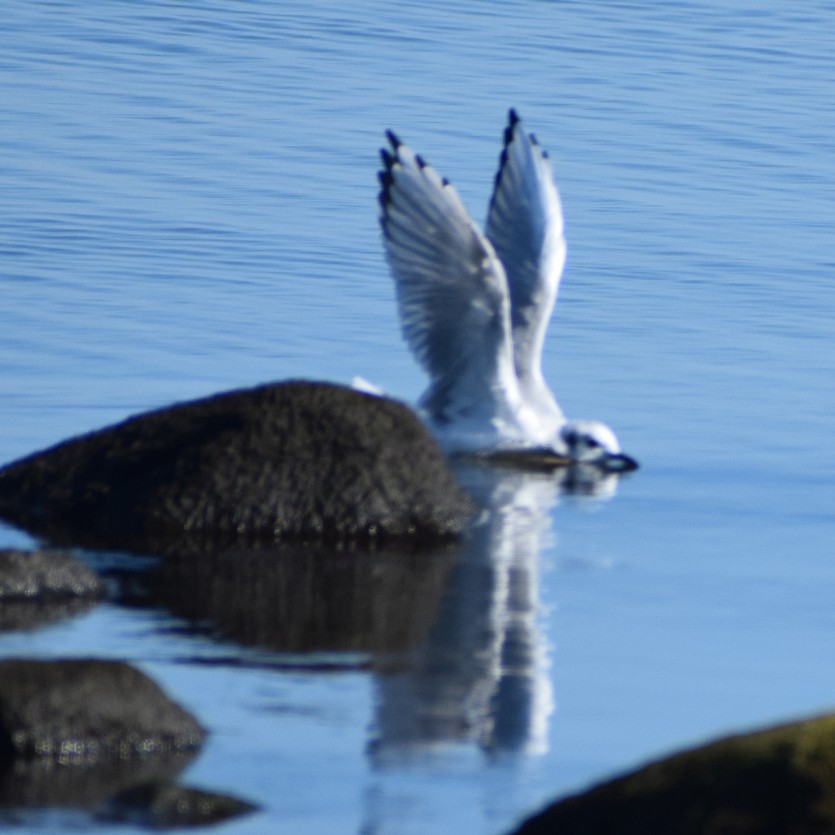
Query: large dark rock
(80, 710)
(779, 781)
(294, 460)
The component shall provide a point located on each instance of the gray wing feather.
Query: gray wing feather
(451, 288)
(525, 226)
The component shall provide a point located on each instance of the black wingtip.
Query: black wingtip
(507, 138)
(386, 179)
(393, 139)
(387, 158)
(512, 120)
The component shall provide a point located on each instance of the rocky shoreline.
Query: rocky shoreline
(293, 483)
(100, 736)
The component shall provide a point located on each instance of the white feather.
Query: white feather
(474, 307)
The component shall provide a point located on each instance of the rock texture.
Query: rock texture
(45, 576)
(779, 781)
(82, 710)
(38, 587)
(295, 460)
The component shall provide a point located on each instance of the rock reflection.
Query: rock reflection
(18, 615)
(304, 599)
(43, 783)
(145, 792)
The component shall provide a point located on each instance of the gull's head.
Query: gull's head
(592, 442)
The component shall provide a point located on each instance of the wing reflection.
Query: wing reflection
(481, 674)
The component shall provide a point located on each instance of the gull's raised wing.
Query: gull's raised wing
(451, 289)
(525, 226)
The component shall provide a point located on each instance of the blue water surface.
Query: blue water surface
(188, 204)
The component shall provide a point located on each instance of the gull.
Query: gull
(474, 307)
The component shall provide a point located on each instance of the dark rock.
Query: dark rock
(38, 587)
(45, 575)
(773, 782)
(294, 460)
(82, 710)
(168, 805)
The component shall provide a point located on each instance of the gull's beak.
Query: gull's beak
(619, 463)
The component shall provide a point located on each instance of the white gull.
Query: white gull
(475, 307)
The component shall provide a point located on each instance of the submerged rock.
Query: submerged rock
(773, 782)
(45, 576)
(295, 460)
(38, 587)
(169, 805)
(75, 711)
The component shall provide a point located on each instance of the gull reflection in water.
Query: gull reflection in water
(481, 675)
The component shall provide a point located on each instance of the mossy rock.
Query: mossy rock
(779, 781)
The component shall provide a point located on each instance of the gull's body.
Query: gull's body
(475, 307)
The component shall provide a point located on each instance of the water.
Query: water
(187, 204)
